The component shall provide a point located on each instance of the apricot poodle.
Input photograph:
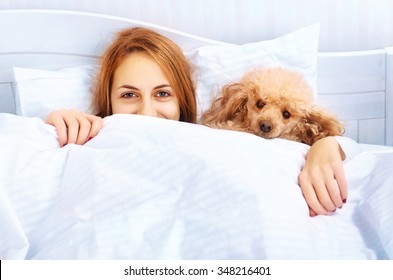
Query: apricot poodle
(272, 103)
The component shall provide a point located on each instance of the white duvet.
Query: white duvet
(148, 188)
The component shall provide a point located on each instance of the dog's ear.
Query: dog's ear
(317, 125)
(231, 104)
(234, 100)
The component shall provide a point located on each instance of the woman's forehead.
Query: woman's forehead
(140, 65)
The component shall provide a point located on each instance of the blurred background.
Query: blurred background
(346, 25)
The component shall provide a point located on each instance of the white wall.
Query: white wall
(346, 25)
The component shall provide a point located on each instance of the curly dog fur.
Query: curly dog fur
(272, 103)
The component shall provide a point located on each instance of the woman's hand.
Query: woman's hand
(74, 127)
(322, 179)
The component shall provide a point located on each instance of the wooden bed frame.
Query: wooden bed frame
(357, 86)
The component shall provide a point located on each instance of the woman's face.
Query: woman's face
(140, 87)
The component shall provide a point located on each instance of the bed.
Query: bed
(147, 188)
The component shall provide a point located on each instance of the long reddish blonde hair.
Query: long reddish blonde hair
(164, 52)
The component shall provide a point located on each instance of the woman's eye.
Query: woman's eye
(162, 94)
(128, 95)
(286, 114)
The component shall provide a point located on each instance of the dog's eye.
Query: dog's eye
(260, 104)
(286, 114)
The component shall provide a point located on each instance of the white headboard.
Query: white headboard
(357, 86)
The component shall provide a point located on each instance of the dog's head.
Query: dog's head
(278, 100)
(272, 103)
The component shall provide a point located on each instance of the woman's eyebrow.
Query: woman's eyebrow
(135, 88)
(128, 87)
(162, 86)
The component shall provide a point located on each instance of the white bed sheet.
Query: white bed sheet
(148, 188)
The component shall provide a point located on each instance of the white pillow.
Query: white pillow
(219, 65)
(39, 92)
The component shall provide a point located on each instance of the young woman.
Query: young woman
(141, 70)
(145, 73)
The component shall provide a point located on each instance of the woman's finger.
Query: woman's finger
(310, 196)
(96, 125)
(72, 130)
(56, 119)
(84, 129)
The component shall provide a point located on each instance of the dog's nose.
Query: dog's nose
(265, 126)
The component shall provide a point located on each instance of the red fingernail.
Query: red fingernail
(344, 200)
(89, 139)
